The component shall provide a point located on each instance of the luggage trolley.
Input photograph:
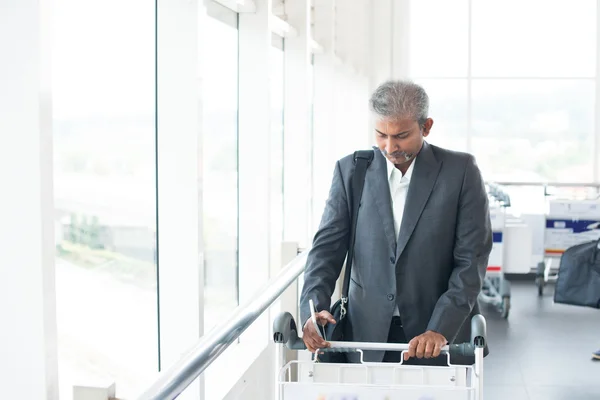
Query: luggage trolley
(374, 380)
(568, 223)
(496, 289)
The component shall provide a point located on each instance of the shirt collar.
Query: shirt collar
(391, 167)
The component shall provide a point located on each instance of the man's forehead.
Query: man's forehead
(395, 124)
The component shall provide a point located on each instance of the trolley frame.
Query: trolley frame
(374, 380)
(496, 288)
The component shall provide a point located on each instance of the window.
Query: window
(533, 38)
(220, 164)
(448, 104)
(448, 41)
(534, 130)
(104, 193)
(519, 93)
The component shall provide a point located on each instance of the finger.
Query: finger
(318, 343)
(437, 349)
(317, 339)
(314, 344)
(429, 348)
(308, 345)
(421, 348)
(312, 338)
(325, 316)
(412, 347)
(308, 341)
(323, 321)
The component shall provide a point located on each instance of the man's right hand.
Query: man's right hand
(311, 337)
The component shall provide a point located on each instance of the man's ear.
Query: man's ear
(427, 127)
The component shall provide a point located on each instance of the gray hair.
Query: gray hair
(400, 99)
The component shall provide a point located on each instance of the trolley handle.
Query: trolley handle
(286, 333)
(454, 350)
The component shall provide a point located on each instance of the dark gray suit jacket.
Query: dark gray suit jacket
(433, 271)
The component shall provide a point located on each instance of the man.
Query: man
(423, 238)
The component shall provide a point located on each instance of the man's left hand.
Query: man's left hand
(428, 345)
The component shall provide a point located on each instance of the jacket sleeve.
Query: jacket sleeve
(326, 257)
(472, 247)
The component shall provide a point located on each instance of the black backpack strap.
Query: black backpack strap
(362, 160)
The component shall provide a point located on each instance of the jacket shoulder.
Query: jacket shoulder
(453, 157)
(450, 155)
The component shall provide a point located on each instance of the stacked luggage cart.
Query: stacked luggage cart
(496, 289)
(568, 223)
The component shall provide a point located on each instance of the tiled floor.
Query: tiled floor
(543, 351)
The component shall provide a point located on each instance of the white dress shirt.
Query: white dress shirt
(398, 191)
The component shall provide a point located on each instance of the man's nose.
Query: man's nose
(389, 146)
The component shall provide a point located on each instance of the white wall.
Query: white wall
(257, 382)
(341, 91)
(28, 356)
(389, 29)
(296, 122)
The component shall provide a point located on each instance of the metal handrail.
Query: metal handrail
(173, 381)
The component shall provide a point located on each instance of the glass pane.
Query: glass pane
(531, 38)
(104, 193)
(448, 109)
(220, 171)
(534, 130)
(441, 51)
(276, 151)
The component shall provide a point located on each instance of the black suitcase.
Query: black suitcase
(578, 281)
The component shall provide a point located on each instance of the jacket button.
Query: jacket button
(390, 297)
(392, 260)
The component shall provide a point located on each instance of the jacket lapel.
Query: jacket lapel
(425, 174)
(381, 195)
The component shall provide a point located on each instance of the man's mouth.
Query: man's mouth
(401, 155)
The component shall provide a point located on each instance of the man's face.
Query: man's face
(400, 140)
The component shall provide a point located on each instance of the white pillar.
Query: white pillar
(400, 38)
(381, 29)
(254, 149)
(351, 82)
(351, 34)
(323, 124)
(28, 354)
(179, 178)
(296, 124)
